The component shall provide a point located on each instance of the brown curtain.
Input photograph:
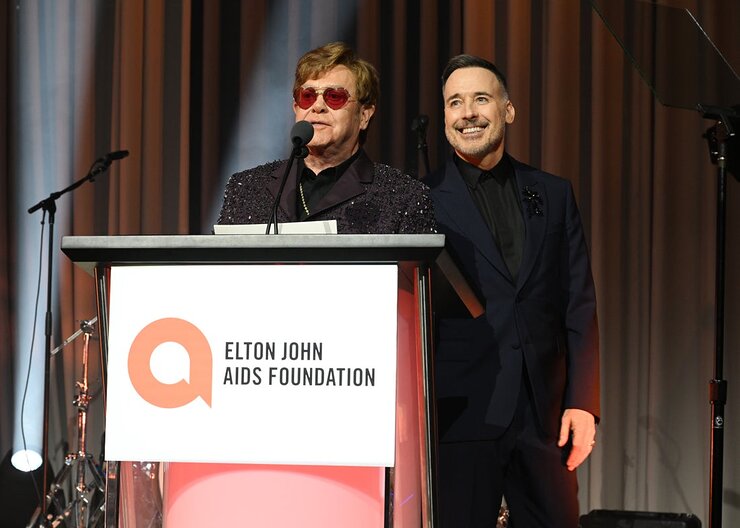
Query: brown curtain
(196, 90)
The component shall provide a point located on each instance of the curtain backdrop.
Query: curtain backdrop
(197, 90)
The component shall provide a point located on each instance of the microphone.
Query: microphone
(99, 166)
(116, 155)
(419, 125)
(102, 164)
(300, 135)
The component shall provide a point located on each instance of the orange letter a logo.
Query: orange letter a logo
(201, 363)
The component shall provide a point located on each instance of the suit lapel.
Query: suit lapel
(288, 198)
(460, 209)
(350, 184)
(534, 211)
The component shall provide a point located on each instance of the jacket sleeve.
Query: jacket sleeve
(419, 215)
(582, 335)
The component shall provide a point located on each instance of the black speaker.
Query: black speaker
(635, 519)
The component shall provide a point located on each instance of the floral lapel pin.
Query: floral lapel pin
(533, 200)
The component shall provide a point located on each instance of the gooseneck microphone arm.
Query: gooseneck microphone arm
(49, 205)
(300, 135)
(99, 166)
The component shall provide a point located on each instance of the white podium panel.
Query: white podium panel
(266, 364)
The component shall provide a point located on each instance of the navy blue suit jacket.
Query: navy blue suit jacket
(544, 323)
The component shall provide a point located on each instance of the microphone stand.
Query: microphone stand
(419, 125)
(299, 152)
(49, 206)
(723, 146)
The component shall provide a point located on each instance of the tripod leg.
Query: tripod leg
(96, 474)
(95, 499)
(51, 497)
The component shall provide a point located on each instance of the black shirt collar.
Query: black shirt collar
(472, 175)
(330, 173)
(312, 188)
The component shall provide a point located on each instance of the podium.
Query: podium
(316, 441)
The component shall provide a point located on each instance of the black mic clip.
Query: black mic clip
(103, 164)
(300, 152)
(419, 125)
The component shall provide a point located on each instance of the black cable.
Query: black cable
(30, 361)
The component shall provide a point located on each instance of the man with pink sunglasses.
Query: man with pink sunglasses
(337, 93)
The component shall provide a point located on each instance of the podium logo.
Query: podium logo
(171, 395)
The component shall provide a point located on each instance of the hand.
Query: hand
(582, 426)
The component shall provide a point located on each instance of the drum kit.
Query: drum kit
(75, 499)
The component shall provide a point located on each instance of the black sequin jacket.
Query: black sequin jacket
(368, 198)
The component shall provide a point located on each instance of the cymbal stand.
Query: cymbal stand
(85, 509)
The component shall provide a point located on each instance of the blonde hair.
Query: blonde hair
(320, 60)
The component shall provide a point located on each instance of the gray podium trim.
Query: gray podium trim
(87, 251)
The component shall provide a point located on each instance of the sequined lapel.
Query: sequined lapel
(350, 184)
(288, 198)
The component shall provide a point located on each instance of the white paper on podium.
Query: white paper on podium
(302, 359)
(322, 227)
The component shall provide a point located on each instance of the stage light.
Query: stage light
(26, 460)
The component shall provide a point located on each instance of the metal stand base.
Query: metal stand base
(87, 503)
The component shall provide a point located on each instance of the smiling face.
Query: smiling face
(477, 111)
(336, 132)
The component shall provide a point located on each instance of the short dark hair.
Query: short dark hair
(472, 61)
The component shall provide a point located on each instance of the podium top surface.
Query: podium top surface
(88, 251)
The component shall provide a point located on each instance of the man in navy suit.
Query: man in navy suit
(518, 387)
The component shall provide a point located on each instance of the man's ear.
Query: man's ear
(510, 112)
(366, 114)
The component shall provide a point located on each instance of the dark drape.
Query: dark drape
(197, 89)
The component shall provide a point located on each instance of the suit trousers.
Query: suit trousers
(521, 465)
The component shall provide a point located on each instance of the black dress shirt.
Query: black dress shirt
(313, 187)
(494, 193)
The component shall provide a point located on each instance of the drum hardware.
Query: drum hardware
(86, 502)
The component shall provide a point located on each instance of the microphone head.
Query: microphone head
(420, 122)
(118, 154)
(301, 134)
